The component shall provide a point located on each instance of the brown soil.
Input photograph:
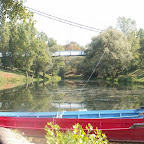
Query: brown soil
(8, 75)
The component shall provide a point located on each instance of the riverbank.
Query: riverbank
(136, 76)
(10, 79)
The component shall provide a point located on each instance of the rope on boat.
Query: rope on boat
(60, 116)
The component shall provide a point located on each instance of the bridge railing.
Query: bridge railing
(64, 53)
(69, 53)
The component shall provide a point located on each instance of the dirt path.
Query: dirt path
(8, 136)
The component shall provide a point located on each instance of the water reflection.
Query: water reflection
(64, 95)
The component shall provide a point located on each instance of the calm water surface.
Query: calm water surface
(64, 96)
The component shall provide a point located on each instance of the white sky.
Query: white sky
(95, 13)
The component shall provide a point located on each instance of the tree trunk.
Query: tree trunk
(43, 74)
(27, 75)
(32, 75)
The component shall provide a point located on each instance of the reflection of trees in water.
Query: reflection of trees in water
(34, 98)
(96, 95)
(102, 95)
(113, 98)
(106, 104)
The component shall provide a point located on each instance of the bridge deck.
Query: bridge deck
(64, 53)
(69, 53)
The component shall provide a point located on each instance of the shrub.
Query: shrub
(77, 136)
(126, 78)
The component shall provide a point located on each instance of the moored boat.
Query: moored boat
(121, 130)
(130, 113)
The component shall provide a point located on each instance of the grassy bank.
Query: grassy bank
(52, 78)
(9, 79)
(136, 76)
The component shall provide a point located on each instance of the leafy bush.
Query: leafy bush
(77, 136)
(126, 78)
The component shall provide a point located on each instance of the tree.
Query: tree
(57, 62)
(128, 27)
(51, 43)
(116, 58)
(141, 50)
(73, 46)
(141, 33)
(13, 9)
(71, 63)
(4, 42)
(13, 42)
(26, 42)
(43, 60)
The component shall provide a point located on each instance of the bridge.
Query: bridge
(64, 53)
(69, 105)
(69, 53)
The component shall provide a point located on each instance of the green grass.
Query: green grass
(136, 76)
(52, 78)
(9, 79)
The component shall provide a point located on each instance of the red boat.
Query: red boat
(121, 130)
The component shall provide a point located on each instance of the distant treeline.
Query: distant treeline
(23, 47)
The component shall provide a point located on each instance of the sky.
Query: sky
(95, 13)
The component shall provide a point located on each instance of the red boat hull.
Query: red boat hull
(115, 129)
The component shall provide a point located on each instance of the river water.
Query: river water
(65, 96)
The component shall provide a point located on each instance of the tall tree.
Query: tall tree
(141, 50)
(128, 27)
(27, 38)
(116, 58)
(57, 62)
(4, 42)
(13, 42)
(13, 9)
(43, 59)
(72, 46)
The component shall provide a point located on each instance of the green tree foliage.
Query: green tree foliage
(23, 47)
(52, 44)
(43, 61)
(116, 58)
(72, 46)
(4, 42)
(26, 42)
(57, 62)
(128, 27)
(135, 45)
(13, 9)
(71, 63)
(13, 42)
(77, 136)
(141, 50)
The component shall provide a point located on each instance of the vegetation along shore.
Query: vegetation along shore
(118, 52)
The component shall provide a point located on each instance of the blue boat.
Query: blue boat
(130, 113)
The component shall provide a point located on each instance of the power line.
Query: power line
(64, 20)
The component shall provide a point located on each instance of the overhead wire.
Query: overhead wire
(63, 20)
(72, 24)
